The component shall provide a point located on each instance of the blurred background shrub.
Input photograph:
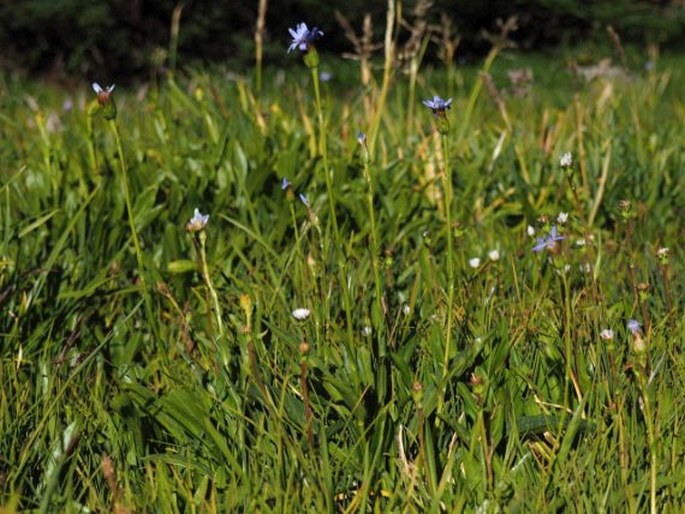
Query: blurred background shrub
(120, 39)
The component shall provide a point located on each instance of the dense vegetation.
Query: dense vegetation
(477, 308)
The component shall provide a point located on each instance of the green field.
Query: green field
(442, 364)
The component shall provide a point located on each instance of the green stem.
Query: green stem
(323, 148)
(374, 256)
(210, 286)
(92, 159)
(447, 185)
(132, 224)
(447, 178)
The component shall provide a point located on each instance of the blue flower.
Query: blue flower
(437, 104)
(285, 184)
(198, 222)
(304, 200)
(634, 326)
(549, 242)
(303, 37)
(361, 138)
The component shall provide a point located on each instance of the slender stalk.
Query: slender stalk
(131, 222)
(323, 149)
(447, 180)
(90, 145)
(210, 286)
(374, 251)
(447, 186)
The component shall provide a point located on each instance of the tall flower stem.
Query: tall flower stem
(567, 167)
(447, 186)
(323, 148)
(131, 221)
(200, 241)
(374, 252)
(90, 145)
(447, 181)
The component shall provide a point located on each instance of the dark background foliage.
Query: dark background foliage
(128, 38)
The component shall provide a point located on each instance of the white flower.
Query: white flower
(366, 331)
(580, 242)
(99, 89)
(607, 334)
(104, 95)
(197, 222)
(475, 262)
(662, 253)
(530, 230)
(494, 255)
(301, 314)
(564, 270)
(566, 160)
(406, 310)
(562, 218)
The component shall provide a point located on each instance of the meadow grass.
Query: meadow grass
(149, 365)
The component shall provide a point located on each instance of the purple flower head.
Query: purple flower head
(304, 200)
(361, 138)
(285, 184)
(634, 326)
(437, 104)
(303, 37)
(548, 242)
